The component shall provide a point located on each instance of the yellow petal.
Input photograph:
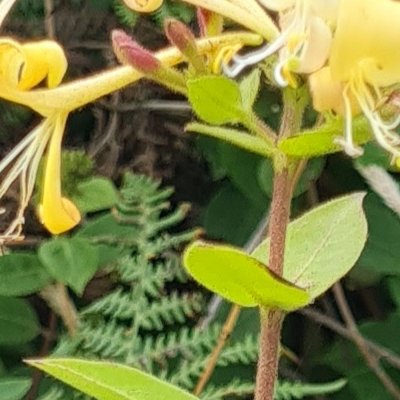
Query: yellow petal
(327, 94)
(367, 39)
(11, 61)
(317, 47)
(144, 5)
(56, 213)
(43, 60)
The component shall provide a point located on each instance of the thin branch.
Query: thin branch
(371, 360)
(169, 106)
(226, 331)
(49, 22)
(335, 326)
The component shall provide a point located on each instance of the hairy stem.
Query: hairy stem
(271, 319)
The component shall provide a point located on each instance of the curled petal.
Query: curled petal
(24, 66)
(43, 60)
(145, 6)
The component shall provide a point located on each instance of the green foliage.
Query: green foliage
(21, 274)
(95, 194)
(297, 390)
(125, 15)
(246, 281)
(215, 99)
(323, 244)
(72, 261)
(168, 9)
(321, 140)
(18, 322)
(110, 381)
(14, 388)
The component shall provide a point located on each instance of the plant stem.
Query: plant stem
(271, 319)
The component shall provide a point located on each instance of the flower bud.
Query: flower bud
(183, 38)
(129, 52)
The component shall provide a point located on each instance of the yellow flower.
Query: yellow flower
(35, 62)
(365, 59)
(22, 67)
(304, 41)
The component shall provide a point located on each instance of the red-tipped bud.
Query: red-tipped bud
(132, 53)
(210, 23)
(179, 34)
(183, 38)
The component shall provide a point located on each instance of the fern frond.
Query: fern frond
(235, 388)
(187, 343)
(298, 390)
(243, 352)
(169, 310)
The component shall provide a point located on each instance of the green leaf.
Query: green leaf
(22, 274)
(381, 254)
(106, 226)
(14, 388)
(110, 381)
(323, 244)
(95, 194)
(234, 137)
(240, 278)
(233, 224)
(18, 322)
(320, 141)
(72, 261)
(216, 99)
(249, 88)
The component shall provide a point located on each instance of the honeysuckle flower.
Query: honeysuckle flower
(304, 41)
(364, 62)
(22, 67)
(45, 60)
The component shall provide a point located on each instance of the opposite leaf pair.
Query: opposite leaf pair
(322, 246)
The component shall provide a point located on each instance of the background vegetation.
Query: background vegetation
(119, 273)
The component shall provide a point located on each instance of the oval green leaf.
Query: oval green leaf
(240, 278)
(215, 99)
(320, 141)
(22, 274)
(18, 322)
(323, 244)
(95, 194)
(72, 261)
(110, 381)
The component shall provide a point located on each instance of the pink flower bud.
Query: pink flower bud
(129, 52)
(179, 34)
